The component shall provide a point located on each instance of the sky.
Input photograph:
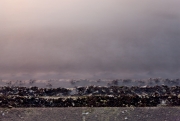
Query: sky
(92, 39)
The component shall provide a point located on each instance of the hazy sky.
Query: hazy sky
(91, 39)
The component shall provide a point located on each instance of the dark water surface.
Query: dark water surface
(91, 114)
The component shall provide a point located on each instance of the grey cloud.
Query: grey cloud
(113, 40)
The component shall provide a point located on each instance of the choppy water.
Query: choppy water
(70, 83)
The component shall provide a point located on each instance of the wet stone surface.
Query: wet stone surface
(90, 96)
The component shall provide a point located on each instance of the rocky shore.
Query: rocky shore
(90, 96)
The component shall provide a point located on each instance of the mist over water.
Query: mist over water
(89, 39)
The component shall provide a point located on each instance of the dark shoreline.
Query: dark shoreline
(90, 96)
